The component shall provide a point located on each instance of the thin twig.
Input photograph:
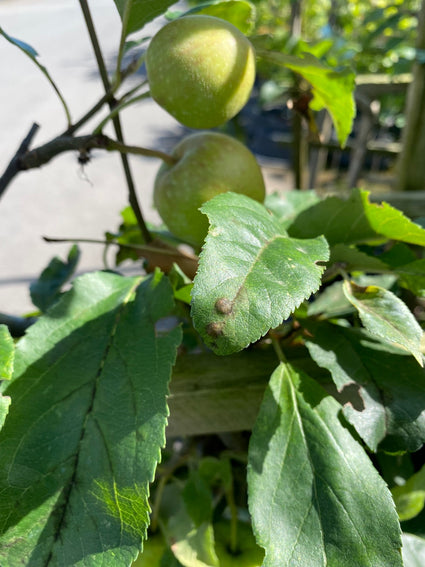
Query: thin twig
(116, 121)
(14, 164)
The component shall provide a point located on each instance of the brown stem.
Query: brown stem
(24, 159)
(14, 164)
(116, 121)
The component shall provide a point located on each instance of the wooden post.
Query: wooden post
(411, 164)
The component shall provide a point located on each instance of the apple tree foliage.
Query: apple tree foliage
(314, 305)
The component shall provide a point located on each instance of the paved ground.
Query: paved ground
(61, 200)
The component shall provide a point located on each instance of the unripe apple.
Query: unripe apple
(207, 163)
(201, 69)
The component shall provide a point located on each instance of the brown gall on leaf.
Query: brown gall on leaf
(223, 306)
(214, 329)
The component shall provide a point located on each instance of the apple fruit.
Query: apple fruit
(201, 69)
(249, 554)
(207, 163)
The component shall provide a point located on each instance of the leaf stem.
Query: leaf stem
(277, 348)
(139, 247)
(116, 121)
(117, 109)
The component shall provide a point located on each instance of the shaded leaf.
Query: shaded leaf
(413, 550)
(355, 220)
(192, 545)
(332, 89)
(382, 388)
(412, 277)
(385, 315)
(47, 289)
(353, 259)
(197, 498)
(83, 437)
(135, 14)
(287, 206)
(251, 274)
(331, 302)
(314, 495)
(33, 55)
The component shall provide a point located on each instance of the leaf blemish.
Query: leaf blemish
(223, 306)
(214, 329)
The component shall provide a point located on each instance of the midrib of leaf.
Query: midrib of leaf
(348, 464)
(300, 425)
(71, 483)
(255, 262)
(79, 315)
(380, 316)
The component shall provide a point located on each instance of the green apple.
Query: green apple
(249, 554)
(207, 163)
(201, 69)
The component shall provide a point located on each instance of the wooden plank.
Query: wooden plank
(212, 394)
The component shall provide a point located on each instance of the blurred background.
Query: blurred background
(65, 199)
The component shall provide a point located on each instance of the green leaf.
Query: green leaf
(251, 275)
(413, 550)
(287, 206)
(385, 315)
(410, 497)
(197, 498)
(331, 302)
(32, 54)
(83, 437)
(238, 12)
(355, 220)
(314, 496)
(192, 545)
(332, 89)
(135, 14)
(7, 353)
(47, 289)
(353, 259)
(7, 356)
(412, 277)
(382, 389)
(4, 408)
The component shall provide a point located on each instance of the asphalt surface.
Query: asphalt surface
(61, 199)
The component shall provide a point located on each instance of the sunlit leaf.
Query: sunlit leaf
(385, 315)
(413, 550)
(332, 89)
(251, 274)
(355, 220)
(135, 14)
